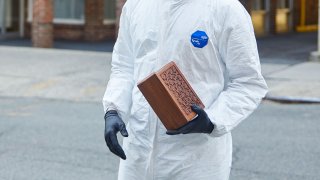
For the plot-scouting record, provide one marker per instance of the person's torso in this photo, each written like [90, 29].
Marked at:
[161, 32]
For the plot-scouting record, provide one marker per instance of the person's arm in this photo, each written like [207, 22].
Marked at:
[246, 86]
[117, 98]
[118, 93]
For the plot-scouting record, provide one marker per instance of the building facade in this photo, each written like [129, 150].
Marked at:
[91, 20]
[282, 16]
[94, 20]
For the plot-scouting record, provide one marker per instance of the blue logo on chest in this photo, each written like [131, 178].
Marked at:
[199, 39]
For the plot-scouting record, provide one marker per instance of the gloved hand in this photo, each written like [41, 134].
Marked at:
[200, 124]
[114, 124]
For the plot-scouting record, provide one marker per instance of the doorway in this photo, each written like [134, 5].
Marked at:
[11, 18]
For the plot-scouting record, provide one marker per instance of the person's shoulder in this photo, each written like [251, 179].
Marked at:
[229, 14]
[226, 6]
[131, 3]
[231, 10]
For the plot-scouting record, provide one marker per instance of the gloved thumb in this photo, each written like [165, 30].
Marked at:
[124, 131]
[197, 109]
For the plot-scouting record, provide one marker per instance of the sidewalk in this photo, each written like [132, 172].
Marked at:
[53, 74]
[83, 75]
[293, 83]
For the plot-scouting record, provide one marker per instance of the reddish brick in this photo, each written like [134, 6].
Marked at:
[93, 30]
[42, 27]
[94, 16]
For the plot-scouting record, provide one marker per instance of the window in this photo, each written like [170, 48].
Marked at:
[258, 5]
[65, 11]
[72, 11]
[282, 4]
[109, 11]
[69, 10]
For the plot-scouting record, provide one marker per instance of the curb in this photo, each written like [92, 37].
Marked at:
[292, 99]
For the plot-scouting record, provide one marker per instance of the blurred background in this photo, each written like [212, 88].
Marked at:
[55, 63]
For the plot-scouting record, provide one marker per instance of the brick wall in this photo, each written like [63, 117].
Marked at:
[42, 28]
[93, 30]
[69, 32]
[94, 15]
[75, 32]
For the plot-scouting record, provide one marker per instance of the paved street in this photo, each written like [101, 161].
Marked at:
[278, 142]
[52, 74]
[53, 140]
[51, 116]
[59, 140]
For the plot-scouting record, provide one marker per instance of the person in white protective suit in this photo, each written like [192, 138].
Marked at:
[213, 44]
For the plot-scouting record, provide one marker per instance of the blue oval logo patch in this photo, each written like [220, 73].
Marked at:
[199, 39]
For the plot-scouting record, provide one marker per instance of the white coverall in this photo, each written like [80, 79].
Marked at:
[225, 74]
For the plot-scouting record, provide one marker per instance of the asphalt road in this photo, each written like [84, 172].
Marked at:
[278, 142]
[43, 139]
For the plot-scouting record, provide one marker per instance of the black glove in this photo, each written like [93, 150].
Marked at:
[200, 124]
[114, 124]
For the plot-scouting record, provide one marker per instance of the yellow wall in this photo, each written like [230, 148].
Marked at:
[258, 20]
